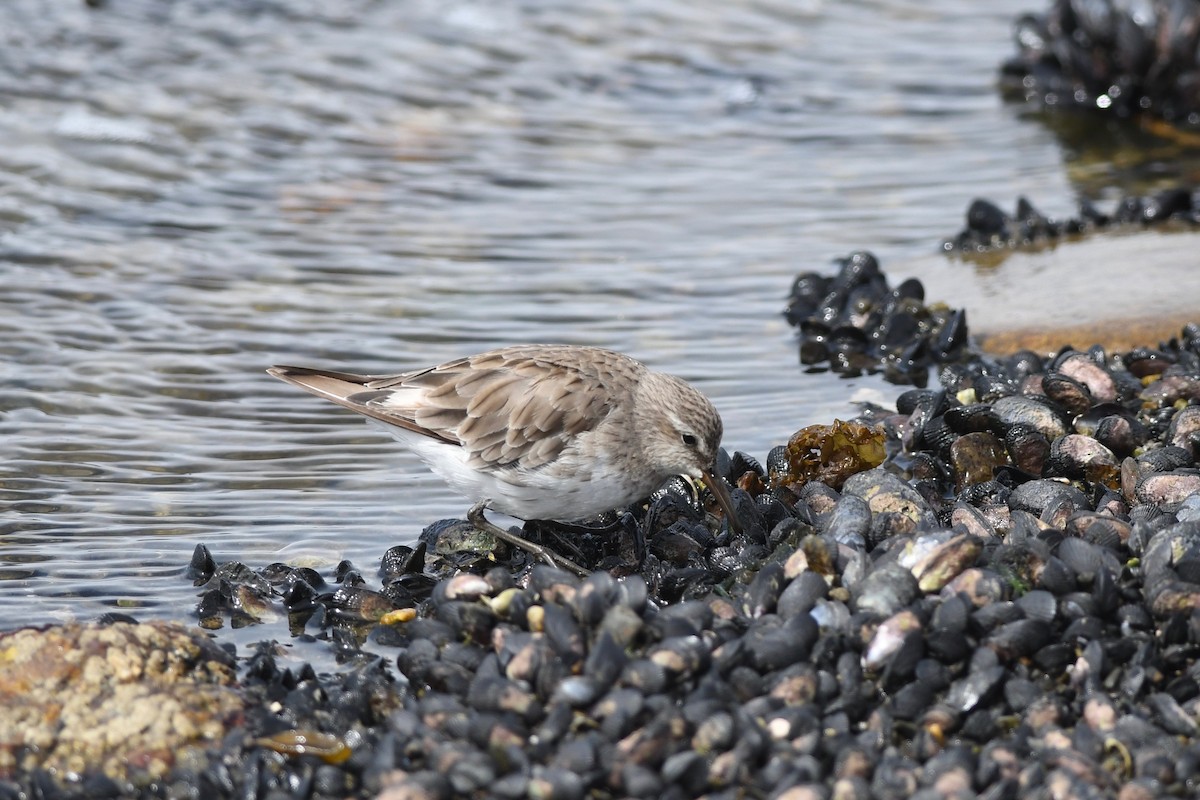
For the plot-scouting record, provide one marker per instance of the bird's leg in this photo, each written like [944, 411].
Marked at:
[475, 516]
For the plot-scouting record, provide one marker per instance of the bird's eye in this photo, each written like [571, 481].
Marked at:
[690, 440]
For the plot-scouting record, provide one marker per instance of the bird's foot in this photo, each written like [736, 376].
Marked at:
[476, 518]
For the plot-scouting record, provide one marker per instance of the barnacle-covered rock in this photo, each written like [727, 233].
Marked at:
[127, 701]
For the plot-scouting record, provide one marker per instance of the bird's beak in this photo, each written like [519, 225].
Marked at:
[717, 487]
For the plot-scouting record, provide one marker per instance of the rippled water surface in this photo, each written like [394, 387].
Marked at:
[191, 191]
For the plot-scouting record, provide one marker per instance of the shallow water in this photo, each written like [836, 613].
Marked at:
[191, 191]
[1094, 299]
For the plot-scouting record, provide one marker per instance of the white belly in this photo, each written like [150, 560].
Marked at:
[568, 492]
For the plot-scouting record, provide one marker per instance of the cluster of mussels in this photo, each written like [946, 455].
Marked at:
[992, 591]
[990, 228]
[1111, 56]
[856, 323]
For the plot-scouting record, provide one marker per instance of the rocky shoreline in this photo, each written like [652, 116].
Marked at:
[992, 590]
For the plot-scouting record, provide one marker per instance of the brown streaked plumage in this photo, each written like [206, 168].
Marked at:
[550, 432]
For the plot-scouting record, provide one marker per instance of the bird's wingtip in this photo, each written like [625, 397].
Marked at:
[286, 372]
[297, 376]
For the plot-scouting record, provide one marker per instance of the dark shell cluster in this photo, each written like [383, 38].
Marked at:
[989, 227]
[1008, 606]
[1112, 56]
[992, 590]
[854, 323]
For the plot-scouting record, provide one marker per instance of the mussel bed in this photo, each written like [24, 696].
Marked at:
[855, 322]
[1110, 57]
[989, 228]
[1007, 606]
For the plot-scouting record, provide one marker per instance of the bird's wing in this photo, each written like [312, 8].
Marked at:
[515, 404]
[348, 390]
